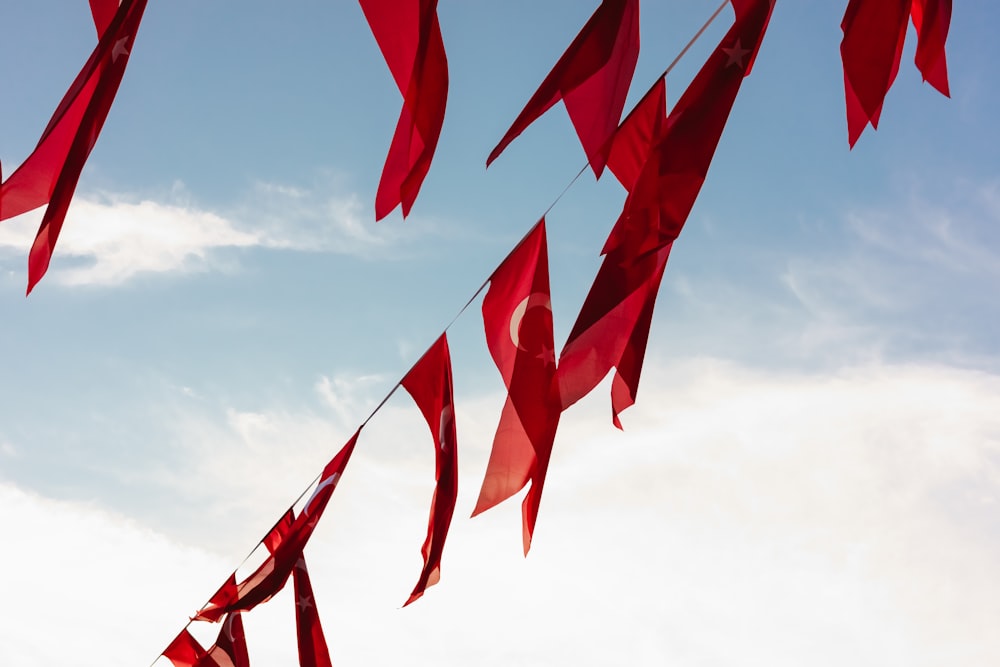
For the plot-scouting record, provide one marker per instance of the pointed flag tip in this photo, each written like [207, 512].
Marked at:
[493, 156]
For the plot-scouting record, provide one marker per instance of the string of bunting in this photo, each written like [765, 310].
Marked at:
[660, 159]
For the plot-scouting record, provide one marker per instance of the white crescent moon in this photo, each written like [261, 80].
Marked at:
[447, 415]
[533, 300]
[329, 481]
[228, 627]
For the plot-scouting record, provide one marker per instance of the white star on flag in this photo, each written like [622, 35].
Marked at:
[736, 54]
[119, 49]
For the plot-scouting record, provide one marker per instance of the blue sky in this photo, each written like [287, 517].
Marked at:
[811, 471]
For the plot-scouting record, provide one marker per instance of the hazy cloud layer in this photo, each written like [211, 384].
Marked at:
[743, 517]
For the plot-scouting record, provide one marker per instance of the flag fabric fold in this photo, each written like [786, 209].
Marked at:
[409, 35]
[631, 145]
[870, 51]
[592, 79]
[612, 327]
[50, 174]
[103, 12]
[229, 650]
[429, 382]
[286, 542]
[872, 46]
[932, 18]
[517, 316]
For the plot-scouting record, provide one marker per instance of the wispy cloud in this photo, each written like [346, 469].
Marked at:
[111, 239]
[906, 277]
[961, 237]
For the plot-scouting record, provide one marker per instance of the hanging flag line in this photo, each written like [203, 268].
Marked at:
[663, 182]
[460, 312]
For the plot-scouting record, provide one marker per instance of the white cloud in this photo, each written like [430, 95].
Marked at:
[341, 394]
[960, 237]
[82, 586]
[743, 517]
[113, 239]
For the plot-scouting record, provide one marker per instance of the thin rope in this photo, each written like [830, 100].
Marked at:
[695, 38]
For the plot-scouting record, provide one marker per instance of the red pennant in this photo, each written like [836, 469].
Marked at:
[612, 328]
[517, 314]
[932, 18]
[870, 51]
[874, 32]
[184, 650]
[429, 383]
[50, 174]
[409, 35]
[632, 143]
[313, 651]
[592, 79]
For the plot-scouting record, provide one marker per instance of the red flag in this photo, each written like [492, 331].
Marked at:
[285, 542]
[517, 314]
[874, 32]
[613, 325]
[591, 78]
[932, 19]
[409, 35]
[870, 51]
[429, 383]
[184, 650]
[50, 174]
[668, 184]
[313, 651]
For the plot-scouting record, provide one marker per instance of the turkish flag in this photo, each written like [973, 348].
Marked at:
[184, 650]
[313, 651]
[667, 185]
[591, 78]
[870, 50]
[874, 32]
[663, 163]
[517, 315]
[50, 174]
[409, 35]
[429, 383]
[285, 541]
[932, 18]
